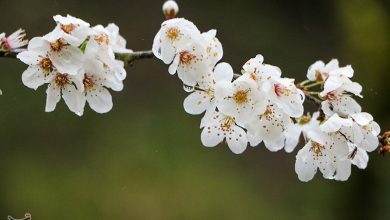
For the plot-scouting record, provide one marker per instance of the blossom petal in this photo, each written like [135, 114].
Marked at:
[360, 159]
[29, 57]
[33, 77]
[74, 99]
[304, 164]
[343, 170]
[211, 135]
[237, 140]
[53, 97]
[197, 102]
[334, 123]
[68, 60]
[100, 100]
[223, 72]
[362, 118]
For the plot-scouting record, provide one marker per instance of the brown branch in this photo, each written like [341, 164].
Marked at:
[128, 58]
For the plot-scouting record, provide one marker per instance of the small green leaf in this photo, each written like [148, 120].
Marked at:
[83, 45]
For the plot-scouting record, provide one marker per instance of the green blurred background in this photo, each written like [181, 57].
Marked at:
[144, 159]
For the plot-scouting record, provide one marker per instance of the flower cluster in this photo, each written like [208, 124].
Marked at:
[340, 134]
[78, 64]
[259, 105]
[252, 107]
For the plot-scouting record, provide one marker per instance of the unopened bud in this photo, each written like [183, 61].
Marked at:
[385, 143]
[170, 9]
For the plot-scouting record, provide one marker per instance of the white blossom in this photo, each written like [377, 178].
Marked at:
[173, 36]
[72, 30]
[14, 41]
[202, 98]
[337, 95]
[221, 127]
[70, 88]
[117, 42]
[319, 71]
[240, 98]
[270, 128]
[78, 62]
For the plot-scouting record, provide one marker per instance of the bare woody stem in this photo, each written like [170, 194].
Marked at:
[127, 58]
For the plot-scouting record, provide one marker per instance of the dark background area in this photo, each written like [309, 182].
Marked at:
[144, 159]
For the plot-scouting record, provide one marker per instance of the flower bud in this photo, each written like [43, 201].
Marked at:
[170, 9]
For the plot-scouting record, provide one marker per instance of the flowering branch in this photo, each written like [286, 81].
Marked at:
[81, 63]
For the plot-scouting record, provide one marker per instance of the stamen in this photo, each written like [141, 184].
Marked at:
[241, 96]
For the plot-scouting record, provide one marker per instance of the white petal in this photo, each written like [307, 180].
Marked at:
[211, 135]
[343, 170]
[100, 100]
[156, 48]
[38, 44]
[53, 97]
[354, 88]
[223, 89]
[223, 72]
[207, 116]
[33, 77]
[173, 67]
[360, 159]
[74, 99]
[332, 65]
[292, 135]
[346, 71]
[167, 52]
[237, 140]
[197, 102]
[253, 63]
[304, 164]
[362, 118]
[334, 123]
[311, 72]
[29, 57]
[68, 60]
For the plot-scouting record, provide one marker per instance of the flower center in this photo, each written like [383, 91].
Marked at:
[241, 96]
[5, 45]
[67, 28]
[88, 82]
[102, 39]
[61, 80]
[281, 90]
[228, 121]
[253, 76]
[331, 96]
[46, 64]
[173, 33]
[268, 114]
[57, 45]
[186, 57]
[316, 148]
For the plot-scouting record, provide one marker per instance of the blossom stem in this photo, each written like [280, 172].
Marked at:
[311, 85]
[303, 83]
